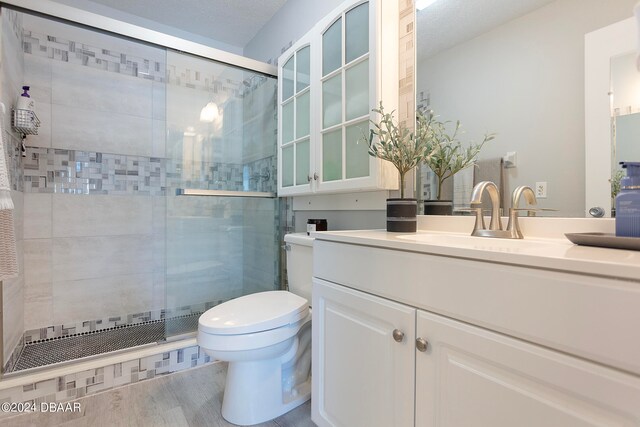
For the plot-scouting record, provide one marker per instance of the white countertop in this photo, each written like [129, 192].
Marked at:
[546, 253]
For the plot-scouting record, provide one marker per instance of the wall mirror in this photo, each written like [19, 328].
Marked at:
[518, 69]
[612, 106]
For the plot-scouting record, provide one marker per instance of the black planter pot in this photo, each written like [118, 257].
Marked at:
[438, 207]
[401, 215]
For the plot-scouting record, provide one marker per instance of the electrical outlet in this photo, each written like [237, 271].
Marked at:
[541, 190]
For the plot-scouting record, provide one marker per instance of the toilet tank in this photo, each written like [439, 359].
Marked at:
[299, 249]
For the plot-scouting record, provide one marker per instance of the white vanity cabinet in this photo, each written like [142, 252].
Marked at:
[391, 353]
[364, 355]
[328, 82]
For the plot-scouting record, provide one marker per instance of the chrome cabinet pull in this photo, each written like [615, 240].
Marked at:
[422, 344]
[398, 335]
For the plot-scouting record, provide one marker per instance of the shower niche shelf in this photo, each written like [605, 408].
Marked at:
[25, 122]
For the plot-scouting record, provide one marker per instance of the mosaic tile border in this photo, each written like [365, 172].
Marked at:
[69, 329]
[84, 383]
[52, 170]
[75, 52]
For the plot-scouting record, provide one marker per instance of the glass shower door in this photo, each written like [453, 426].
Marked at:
[222, 235]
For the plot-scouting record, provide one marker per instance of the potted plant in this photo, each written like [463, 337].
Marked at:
[405, 150]
[615, 180]
[448, 157]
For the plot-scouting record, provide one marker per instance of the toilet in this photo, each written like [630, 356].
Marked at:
[266, 338]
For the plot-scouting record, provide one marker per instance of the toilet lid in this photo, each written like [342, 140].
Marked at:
[257, 312]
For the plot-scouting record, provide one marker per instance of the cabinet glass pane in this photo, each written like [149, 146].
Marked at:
[287, 122]
[332, 155]
[302, 162]
[302, 115]
[357, 88]
[302, 68]
[287, 166]
[332, 48]
[287, 79]
[357, 150]
[332, 101]
[357, 32]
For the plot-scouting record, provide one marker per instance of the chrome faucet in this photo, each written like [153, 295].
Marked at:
[495, 226]
[513, 227]
[476, 204]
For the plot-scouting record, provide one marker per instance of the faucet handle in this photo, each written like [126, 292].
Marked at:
[479, 224]
[494, 195]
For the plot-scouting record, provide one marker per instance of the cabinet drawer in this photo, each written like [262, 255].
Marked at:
[592, 317]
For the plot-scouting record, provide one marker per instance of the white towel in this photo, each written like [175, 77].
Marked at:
[462, 188]
[492, 170]
[5, 186]
[8, 252]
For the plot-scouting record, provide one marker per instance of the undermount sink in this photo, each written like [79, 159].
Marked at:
[483, 243]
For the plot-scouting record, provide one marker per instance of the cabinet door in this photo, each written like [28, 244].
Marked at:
[295, 136]
[348, 63]
[348, 90]
[469, 376]
[363, 376]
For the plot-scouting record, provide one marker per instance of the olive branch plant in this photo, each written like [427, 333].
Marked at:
[430, 144]
[399, 145]
[448, 156]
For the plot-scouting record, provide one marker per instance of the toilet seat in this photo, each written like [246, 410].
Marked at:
[250, 314]
[250, 342]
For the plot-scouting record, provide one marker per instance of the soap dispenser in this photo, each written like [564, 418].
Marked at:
[25, 102]
[628, 202]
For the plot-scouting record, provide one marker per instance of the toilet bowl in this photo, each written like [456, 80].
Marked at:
[266, 338]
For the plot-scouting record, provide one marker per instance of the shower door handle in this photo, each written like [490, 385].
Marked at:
[223, 193]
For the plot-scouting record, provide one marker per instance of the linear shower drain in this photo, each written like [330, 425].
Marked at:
[78, 346]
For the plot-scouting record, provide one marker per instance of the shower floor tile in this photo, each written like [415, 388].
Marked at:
[90, 344]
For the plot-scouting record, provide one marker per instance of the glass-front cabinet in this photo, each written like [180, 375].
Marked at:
[328, 83]
[294, 120]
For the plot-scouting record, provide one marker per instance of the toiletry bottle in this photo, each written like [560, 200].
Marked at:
[628, 202]
[25, 102]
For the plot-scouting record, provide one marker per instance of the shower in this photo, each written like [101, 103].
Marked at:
[136, 215]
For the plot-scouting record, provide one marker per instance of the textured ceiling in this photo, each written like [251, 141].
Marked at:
[234, 22]
[447, 23]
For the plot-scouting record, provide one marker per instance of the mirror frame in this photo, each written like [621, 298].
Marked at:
[600, 46]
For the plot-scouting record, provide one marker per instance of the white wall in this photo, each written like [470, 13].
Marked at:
[525, 81]
[146, 23]
[291, 22]
[625, 84]
[11, 79]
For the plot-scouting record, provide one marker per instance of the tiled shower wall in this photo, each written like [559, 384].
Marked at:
[101, 101]
[100, 178]
[11, 75]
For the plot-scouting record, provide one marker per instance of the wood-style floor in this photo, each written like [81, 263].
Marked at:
[192, 398]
